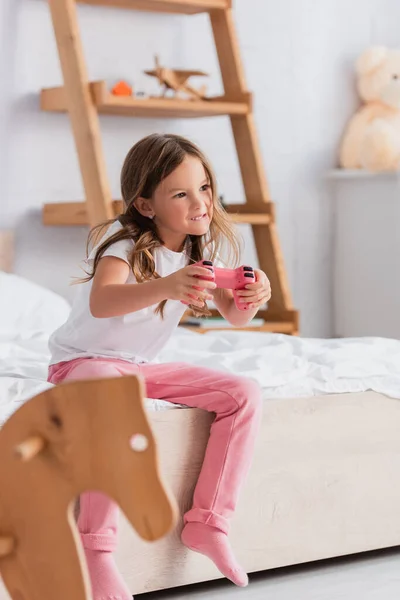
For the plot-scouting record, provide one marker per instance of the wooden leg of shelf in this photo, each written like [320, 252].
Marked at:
[265, 236]
[232, 72]
[227, 46]
[82, 110]
[271, 262]
[252, 169]
[250, 161]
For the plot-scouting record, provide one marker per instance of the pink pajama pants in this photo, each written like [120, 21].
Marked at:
[236, 402]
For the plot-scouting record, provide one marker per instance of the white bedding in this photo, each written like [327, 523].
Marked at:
[24, 359]
[284, 366]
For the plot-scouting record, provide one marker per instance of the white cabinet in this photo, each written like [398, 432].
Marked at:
[366, 254]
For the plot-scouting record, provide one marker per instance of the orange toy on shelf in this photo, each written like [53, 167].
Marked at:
[122, 89]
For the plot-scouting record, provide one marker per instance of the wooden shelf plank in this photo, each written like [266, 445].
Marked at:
[75, 213]
[65, 214]
[250, 218]
[285, 322]
[54, 100]
[260, 207]
[262, 215]
[269, 326]
[189, 7]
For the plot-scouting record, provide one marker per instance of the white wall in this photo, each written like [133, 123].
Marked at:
[298, 57]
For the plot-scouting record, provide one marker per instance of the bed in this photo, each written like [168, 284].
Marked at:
[324, 480]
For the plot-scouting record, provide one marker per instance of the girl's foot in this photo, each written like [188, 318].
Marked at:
[106, 580]
[214, 544]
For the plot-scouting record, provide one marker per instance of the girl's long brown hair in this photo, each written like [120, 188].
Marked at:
[147, 164]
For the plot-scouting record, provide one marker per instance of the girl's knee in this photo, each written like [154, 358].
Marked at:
[248, 392]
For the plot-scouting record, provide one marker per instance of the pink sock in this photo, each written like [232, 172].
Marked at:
[107, 582]
[214, 544]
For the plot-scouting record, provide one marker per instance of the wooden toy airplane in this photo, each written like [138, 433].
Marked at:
[176, 79]
[75, 437]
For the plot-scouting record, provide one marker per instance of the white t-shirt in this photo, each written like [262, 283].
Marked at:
[135, 337]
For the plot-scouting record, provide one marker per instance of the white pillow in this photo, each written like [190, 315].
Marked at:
[25, 305]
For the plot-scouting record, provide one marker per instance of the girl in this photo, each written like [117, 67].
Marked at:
[124, 312]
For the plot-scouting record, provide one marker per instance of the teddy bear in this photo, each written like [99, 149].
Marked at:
[372, 137]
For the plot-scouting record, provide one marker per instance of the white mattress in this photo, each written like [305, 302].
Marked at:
[284, 366]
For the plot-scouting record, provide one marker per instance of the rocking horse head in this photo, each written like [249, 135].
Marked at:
[76, 437]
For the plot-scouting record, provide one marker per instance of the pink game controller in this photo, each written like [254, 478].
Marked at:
[230, 279]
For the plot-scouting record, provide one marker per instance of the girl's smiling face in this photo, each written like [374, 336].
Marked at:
[182, 204]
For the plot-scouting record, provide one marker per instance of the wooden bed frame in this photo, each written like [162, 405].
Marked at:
[324, 483]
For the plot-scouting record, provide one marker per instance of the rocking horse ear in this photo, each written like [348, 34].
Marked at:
[371, 59]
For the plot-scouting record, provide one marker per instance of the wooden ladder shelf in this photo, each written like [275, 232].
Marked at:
[84, 100]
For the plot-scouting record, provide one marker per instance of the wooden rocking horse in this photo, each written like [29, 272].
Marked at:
[76, 437]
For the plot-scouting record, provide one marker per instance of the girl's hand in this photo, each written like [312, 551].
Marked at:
[186, 286]
[258, 293]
